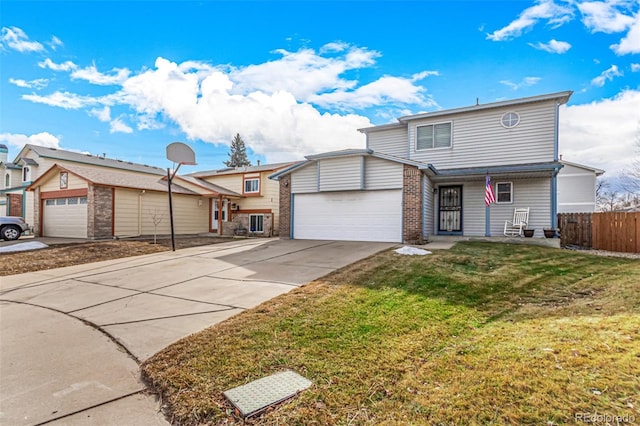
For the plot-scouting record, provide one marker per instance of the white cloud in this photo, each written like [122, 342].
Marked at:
[303, 73]
[32, 84]
[55, 43]
[18, 141]
[384, 90]
[273, 105]
[274, 124]
[553, 46]
[64, 100]
[608, 74]
[526, 82]
[65, 66]
[16, 39]
[631, 42]
[604, 16]
[93, 76]
[601, 134]
[635, 67]
[119, 126]
[544, 10]
[103, 114]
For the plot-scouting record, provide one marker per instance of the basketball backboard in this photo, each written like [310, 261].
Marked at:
[181, 153]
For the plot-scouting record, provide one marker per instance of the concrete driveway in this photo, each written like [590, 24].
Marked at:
[72, 339]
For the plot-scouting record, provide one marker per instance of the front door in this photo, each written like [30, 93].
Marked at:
[216, 213]
[450, 210]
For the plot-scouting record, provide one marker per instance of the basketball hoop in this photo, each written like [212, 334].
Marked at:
[179, 153]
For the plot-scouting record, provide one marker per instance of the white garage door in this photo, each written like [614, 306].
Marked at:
[65, 217]
[349, 216]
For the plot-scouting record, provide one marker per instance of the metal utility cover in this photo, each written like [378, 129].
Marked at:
[254, 397]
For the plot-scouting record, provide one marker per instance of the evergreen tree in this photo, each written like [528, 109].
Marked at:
[237, 153]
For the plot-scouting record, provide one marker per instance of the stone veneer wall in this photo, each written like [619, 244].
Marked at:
[412, 205]
[36, 213]
[285, 207]
[99, 212]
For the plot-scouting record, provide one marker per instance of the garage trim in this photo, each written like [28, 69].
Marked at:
[81, 192]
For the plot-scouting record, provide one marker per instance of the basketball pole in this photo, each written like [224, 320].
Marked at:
[179, 153]
[173, 236]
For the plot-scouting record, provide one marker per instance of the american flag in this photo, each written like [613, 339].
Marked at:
[489, 196]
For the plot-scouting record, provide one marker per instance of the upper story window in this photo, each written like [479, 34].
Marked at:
[252, 185]
[510, 120]
[64, 180]
[7, 180]
[26, 174]
[433, 136]
[504, 192]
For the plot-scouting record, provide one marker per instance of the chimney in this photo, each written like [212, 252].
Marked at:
[258, 162]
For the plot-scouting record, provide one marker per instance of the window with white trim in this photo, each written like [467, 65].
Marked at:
[504, 192]
[433, 136]
[50, 202]
[252, 186]
[7, 180]
[26, 174]
[256, 223]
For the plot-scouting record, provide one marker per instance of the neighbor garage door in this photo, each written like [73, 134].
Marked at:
[349, 215]
[65, 217]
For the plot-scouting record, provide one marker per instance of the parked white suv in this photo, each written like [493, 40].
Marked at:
[11, 227]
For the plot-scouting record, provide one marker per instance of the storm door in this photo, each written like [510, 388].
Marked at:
[450, 210]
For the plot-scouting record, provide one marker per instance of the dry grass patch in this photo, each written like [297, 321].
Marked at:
[483, 333]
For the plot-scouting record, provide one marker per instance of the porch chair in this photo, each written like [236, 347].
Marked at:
[520, 219]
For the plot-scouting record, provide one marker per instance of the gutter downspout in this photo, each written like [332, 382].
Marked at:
[140, 212]
[554, 177]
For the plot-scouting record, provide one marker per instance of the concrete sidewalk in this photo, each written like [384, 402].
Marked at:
[73, 338]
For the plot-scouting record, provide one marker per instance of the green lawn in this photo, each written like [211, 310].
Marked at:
[483, 333]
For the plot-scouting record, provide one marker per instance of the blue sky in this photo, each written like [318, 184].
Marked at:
[295, 78]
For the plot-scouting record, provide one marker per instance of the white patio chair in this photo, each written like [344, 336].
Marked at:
[514, 227]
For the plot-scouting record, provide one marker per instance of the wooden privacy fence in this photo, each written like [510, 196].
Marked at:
[616, 231]
[612, 231]
[575, 229]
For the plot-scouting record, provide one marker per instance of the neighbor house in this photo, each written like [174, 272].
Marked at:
[11, 186]
[426, 175]
[75, 195]
[33, 161]
[577, 188]
[256, 209]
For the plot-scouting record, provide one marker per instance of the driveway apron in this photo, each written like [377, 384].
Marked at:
[72, 339]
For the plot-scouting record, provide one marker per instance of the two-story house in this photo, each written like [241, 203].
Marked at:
[426, 175]
[12, 187]
[257, 211]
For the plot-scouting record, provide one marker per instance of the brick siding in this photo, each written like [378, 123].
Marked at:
[285, 207]
[412, 205]
[15, 204]
[99, 212]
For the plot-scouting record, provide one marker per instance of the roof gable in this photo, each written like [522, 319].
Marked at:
[112, 178]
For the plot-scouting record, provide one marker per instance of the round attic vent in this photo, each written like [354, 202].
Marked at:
[510, 119]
